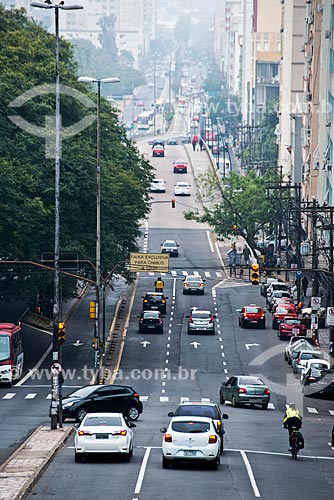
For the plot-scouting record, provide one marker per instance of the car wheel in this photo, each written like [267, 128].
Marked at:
[221, 398]
[128, 456]
[274, 325]
[214, 465]
[221, 444]
[242, 324]
[264, 406]
[234, 402]
[80, 414]
[263, 326]
[78, 457]
[165, 463]
[174, 171]
[285, 357]
[132, 413]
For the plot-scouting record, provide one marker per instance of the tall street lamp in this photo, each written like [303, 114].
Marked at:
[56, 392]
[87, 79]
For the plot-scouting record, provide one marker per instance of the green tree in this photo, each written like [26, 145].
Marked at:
[244, 204]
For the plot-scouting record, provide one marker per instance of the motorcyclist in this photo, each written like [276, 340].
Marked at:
[159, 284]
[292, 420]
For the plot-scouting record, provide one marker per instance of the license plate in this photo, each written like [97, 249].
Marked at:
[102, 436]
[154, 307]
[150, 326]
[295, 331]
[255, 400]
[253, 321]
[189, 453]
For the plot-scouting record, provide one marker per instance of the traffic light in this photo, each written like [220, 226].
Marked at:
[234, 228]
[255, 274]
[173, 203]
[61, 333]
[96, 344]
[92, 309]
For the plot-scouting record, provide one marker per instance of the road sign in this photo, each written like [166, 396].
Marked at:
[56, 368]
[294, 266]
[158, 262]
[330, 316]
[315, 303]
[68, 261]
[299, 274]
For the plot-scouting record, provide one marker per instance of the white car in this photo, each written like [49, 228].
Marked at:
[319, 364]
[182, 189]
[297, 344]
[190, 439]
[158, 186]
[104, 433]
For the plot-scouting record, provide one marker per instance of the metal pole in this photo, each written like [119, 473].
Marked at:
[55, 344]
[331, 288]
[154, 94]
[98, 221]
[170, 84]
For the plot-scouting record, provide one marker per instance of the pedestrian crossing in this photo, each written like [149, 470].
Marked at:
[146, 399]
[182, 273]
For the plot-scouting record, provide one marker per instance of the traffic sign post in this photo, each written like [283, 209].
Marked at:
[330, 316]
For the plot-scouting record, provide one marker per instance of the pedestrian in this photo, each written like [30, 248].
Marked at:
[246, 254]
[194, 142]
[201, 144]
[304, 285]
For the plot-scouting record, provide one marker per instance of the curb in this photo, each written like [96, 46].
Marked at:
[22, 469]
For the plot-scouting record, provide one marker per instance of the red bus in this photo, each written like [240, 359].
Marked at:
[11, 353]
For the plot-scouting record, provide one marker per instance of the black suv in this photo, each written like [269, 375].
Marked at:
[151, 321]
[102, 398]
[201, 409]
[155, 301]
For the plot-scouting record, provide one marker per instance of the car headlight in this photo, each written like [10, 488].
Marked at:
[67, 405]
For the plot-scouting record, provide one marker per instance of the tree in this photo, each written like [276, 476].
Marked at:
[243, 204]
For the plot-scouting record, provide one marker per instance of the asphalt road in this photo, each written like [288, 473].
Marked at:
[255, 462]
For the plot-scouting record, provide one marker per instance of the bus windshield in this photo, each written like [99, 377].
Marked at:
[4, 347]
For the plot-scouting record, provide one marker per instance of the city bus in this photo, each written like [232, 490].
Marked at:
[145, 120]
[11, 353]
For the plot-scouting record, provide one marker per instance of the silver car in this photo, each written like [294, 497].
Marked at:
[201, 321]
[243, 389]
[193, 284]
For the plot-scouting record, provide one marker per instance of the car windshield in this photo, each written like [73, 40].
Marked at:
[253, 309]
[83, 392]
[197, 411]
[191, 427]
[201, 315]
[250, 381]
[99, 421]
[4, 347]
[169, 244]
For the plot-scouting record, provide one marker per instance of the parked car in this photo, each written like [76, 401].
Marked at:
[291, 327]
[151, 322]
[155, 301]
[319, 364]
[242, 389]
[170, 247]
[182, 189]
[104, 433]
[252, 315]
[193, 284]
[203, 409]
[158, 186]
[265, 284]
[193, 439]
[296, 343]
[158, 150]
[102, 398]
[318, 383]
[299, 361]
[277, 286]
[283, 311]
[201, 321]
[180, 167]
[277, 294]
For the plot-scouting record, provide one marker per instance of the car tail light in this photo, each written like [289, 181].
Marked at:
[211, 320]
[213, 439]
[135, 395]
[120, 433]
[267, 392]
[201, 284]
[298, 361]
[312, 379]
[84, 433]
[219, 425]
[168, 438]
[163, 301]
[186, 283]
[190, 319]
[145, 301]
[243, 390]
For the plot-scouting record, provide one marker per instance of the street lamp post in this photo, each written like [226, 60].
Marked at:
[86, 79]
[56, 385]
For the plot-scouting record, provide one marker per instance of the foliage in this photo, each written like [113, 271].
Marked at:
[27, 60]
[244, 203]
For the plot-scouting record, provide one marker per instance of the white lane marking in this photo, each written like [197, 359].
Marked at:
[162, 274]
[331, 412]
[210, 242]
[271, 406]
[168, 345]
[163, 383]
[168, 338]
[223, 355]
[184, 399]
[224, 363]
[49, 396]
[167, 353]
[143, 398]
[37, 365]
[151, 274]
[31, 395]
[142, 471]
[163, 391]
[184, 273]
[312, 410]
[219, 274]
[225, 370]
[166, 361]
[9, 395]
[174, 273]
[206, 400]
[250, 474]
[164, 399]
[174, 288]
[207, 274]
[260, 452]
[219, 255]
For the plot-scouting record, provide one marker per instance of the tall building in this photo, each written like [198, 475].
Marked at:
[246, 70]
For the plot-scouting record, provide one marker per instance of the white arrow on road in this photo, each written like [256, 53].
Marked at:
[195, 344]
[145, 343]
[250, 345]
[77, 343]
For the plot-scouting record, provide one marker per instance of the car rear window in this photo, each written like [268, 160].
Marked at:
[98, 421]
[253, 310]
[151, 315]
[191, 427]
[284, 310]
[197, 411]
[306, 355]
[155, 298]
[250, 381]
[201, 315]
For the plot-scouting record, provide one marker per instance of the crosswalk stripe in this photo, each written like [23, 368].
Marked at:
[143, 398]
[207, 274]
[331, 412]
[205, 400]
[312, 410]
[9, 395]
[219, 274]
[49, 396]
[184, 273]
[271, 406]
[31, 395]
[173, 273]
[184, 399]
[196, 273]
[164, 399]
[151, 274]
